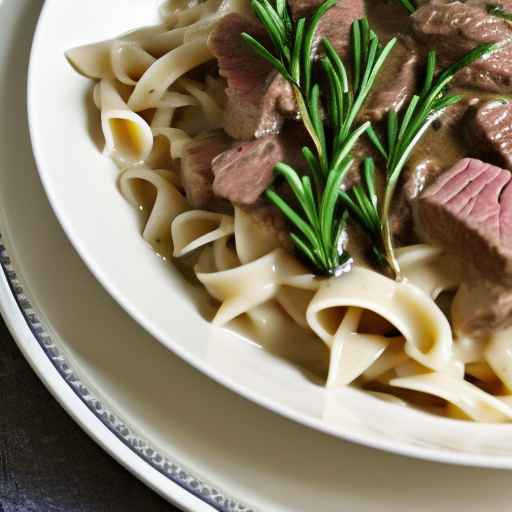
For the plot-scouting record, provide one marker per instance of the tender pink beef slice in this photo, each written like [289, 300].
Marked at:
[396, 83]
[258, 97]
[245, 171]
[455, 28]
[336, 25]
[468, 210]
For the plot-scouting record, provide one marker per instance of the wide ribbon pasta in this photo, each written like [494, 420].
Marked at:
[128, 137]
[197, 228]
[409, 310]
[247, 286]
[167, 205]
[472, 401]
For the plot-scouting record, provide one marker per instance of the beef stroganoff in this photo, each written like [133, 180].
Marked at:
[336, 176]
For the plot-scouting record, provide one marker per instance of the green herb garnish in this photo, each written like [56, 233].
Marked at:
[403, 132]
[332, 127]
[330, 117]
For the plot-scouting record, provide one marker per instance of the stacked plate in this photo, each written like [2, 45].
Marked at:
[148, 389]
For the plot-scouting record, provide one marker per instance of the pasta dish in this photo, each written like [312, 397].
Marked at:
[336, 176]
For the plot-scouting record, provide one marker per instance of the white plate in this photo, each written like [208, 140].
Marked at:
[81, 185]
[244, 451]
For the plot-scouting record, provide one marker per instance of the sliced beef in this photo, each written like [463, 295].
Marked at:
[196, 167]
[468, 212]
[258, 98]
[336, 25]
[245, 171]
[396, 83]
[491, 131]
[455, 28]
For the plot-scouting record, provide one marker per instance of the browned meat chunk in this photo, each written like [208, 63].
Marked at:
[396, 83]
[196, 167]
[245, 171]
[258, 98]
[468, 211]
[455, 28]
[336, 25]
[491, 131]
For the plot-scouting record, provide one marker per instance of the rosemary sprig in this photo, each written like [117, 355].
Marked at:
[333, 129]
[403, 132]
[499, 11]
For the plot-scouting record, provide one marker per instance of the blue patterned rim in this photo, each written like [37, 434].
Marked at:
[167, 467]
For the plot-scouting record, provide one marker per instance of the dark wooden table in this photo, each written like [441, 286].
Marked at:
[47, 463]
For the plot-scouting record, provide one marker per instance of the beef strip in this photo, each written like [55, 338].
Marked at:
[468, 212]
[455, 28]
[258, 97]
[336, 25]
[490, 131]
[245, 171]
[196, 167]
[396, 82]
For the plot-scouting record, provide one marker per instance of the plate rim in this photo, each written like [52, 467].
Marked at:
[107, 428]
[389, 445]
